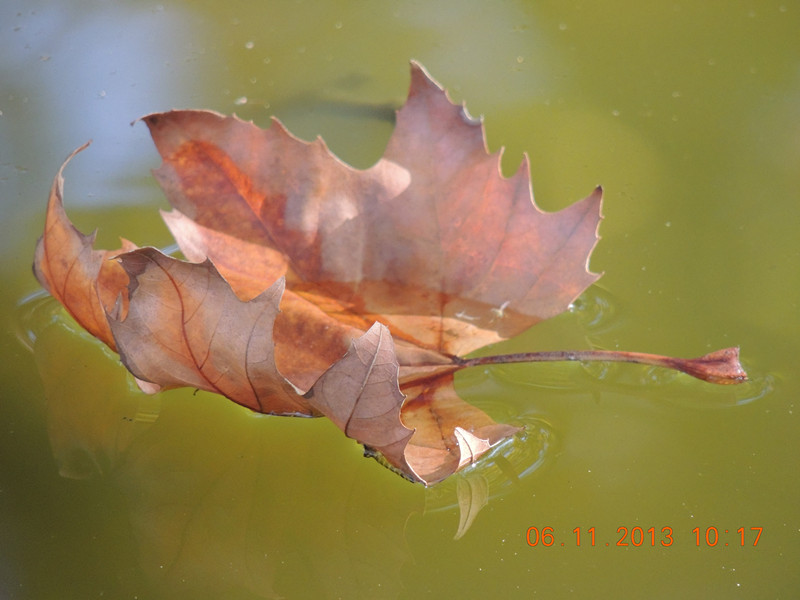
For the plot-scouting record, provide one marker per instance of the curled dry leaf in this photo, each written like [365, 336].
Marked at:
[317, 288]
[84, 280]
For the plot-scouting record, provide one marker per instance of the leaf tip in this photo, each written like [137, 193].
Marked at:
[149, 120]
[470, 446]
[721, 367]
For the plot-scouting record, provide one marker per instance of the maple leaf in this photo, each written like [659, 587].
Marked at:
[298, 257]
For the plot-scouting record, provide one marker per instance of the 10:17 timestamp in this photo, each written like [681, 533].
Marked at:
[640, 536]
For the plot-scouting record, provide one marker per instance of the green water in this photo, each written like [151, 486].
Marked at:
[687, 113]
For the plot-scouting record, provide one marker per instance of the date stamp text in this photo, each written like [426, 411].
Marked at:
[665, 537]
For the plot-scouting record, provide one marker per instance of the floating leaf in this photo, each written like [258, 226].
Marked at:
[320, 289]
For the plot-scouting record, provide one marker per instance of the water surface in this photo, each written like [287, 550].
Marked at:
[686, 113]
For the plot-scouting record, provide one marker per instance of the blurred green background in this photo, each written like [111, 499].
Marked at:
[687, 113]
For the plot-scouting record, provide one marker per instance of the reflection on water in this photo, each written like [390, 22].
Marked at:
[497, 473]
[219, 498]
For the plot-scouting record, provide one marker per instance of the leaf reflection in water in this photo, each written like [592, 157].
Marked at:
[224, 501]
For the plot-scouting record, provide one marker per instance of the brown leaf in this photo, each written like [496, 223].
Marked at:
[432, 241]
[392, 273]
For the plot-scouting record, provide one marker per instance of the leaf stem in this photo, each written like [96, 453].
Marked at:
[721, 366]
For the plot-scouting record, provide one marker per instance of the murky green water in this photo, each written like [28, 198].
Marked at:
[687, 113]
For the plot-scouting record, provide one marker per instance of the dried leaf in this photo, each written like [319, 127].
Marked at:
[84, 280]
[317, 288]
